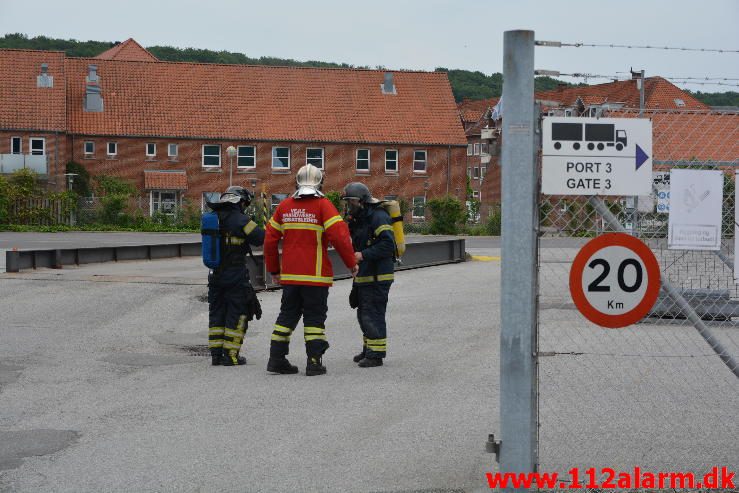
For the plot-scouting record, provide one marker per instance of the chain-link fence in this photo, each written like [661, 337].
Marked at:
[655, 394]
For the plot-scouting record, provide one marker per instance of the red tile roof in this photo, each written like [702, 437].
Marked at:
[702, 136]
[471, 110]
[128, 50]
[23, 105]
[165, 180]
[659, 93]
[265, 103]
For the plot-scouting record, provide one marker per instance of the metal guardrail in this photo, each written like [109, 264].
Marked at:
[417, 254]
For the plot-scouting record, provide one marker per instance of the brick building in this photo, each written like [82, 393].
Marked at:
[677, 109]
[167, 126]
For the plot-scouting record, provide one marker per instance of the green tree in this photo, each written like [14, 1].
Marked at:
[447, 215]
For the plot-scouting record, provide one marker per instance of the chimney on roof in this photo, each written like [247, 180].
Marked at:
[93, 98]
[388, 87]
[44, 80]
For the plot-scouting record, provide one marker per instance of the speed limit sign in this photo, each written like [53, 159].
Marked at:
[614, 280]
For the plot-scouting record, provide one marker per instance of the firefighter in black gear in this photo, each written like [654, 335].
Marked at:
[231, 298]
[374, 245]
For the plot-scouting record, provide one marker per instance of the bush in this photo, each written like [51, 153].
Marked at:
[447, 214]
[335, 198]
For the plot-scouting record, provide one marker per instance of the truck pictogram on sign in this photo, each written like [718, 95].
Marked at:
[596, 135]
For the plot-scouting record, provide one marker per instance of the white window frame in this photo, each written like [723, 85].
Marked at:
[31, 140]
[84, 148]
[274, 149]
[146, 147]
[475, 194]
[115, 149]
[253, 156]
[413, 207]
[424, 161]
[323, 157]
[397, 156]
[476, 173]
[20, 145]
[176, 150]
[469, 149]
[356, 161]
[476, 151]
[177, 201]
[203, 156]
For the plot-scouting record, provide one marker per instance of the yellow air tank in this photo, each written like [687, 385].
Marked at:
[393, 208]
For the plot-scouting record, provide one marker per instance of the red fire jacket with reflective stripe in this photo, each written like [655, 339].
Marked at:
[306, 226]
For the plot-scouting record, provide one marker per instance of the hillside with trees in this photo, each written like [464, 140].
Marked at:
[466, 84]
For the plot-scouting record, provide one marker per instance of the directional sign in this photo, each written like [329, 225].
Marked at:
[596, 156]
[614, 280]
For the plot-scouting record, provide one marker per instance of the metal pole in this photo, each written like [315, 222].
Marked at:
[673, 293]
[641, 96]
[230, 169]
[518, 399]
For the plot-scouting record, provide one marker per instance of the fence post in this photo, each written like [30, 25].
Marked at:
[518, 391]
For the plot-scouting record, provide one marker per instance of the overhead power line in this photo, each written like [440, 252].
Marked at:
[560, 44]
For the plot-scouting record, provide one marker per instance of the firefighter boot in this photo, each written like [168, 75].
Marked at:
[231, 358]
[314, 366]
[281, 366]
[216, 355]
[370, 362]
[359, 357]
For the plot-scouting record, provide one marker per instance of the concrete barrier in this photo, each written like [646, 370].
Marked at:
[423, 253]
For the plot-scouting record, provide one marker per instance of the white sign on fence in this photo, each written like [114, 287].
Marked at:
[695, 209]
[596, 156]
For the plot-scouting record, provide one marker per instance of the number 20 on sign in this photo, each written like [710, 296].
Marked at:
[614, 280]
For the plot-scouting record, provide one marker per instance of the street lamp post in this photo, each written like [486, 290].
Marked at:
[231, 151]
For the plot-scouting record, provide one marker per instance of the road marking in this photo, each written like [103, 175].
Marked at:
[485, 258]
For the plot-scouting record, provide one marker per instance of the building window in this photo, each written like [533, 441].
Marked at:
[211, 156]
[38, 146]
[172, 151]
[276, 199]
[363, 159]
[89, 148]
[475, 172]
[246, 157]
[391, 161]
[419, 207]
[281, 157]
[163, 202]
[151, 150]
[314, 156]
[484, 149]
[112, 148]
[475, 194]
[15, 145]
[469, 172]
[476, 150]
[209, 197]
[469, 149]
[419, 161]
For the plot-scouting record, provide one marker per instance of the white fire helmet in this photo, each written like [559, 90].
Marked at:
[309, 180]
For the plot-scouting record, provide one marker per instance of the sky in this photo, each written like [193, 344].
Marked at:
[414, 34]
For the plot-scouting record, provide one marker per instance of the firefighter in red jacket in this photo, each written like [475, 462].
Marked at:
[306, 223]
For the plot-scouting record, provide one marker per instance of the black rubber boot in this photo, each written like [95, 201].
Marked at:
[359, 357]
[314, 366]
[370, 362]
[216, 355]
[281, 366]
[232, 358]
